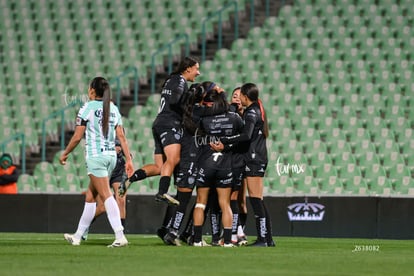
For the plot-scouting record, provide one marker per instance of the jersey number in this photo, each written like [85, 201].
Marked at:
[162, 105]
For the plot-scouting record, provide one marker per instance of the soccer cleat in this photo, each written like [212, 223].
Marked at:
[229, 245]
[271, 243]
[190, 240]
[201, 244]
[258, 243]
[216, 243]
[198, 244]
[166, 198]
[171, 239]
[123, 186]
[71, 239]
[241, 240]
[184, 237]
[161, 232]
[119, 242]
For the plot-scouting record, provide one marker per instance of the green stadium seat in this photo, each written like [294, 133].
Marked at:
[26, 184]
[400, 178]
[361, 146]
[367, 159]
[70, 183]
[304, 183]
[316, 159]
[352, 180]
[373, 171]
[341, 159]
[307, 134]
[44, 167]
[62, 170]
[280, 185]
[46, 182]
[378, 130]
[405, 140]
[82, 174]
[379, 186]
[386, 148]
[330, 184]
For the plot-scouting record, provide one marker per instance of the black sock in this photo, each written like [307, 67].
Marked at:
[198, 233]
[169, 213]
[227, 235]
[188, 230]
[164, 184]
[242, 220]
[260, 216]
[215, 226]
[235, 209]
[269, 236]
[138, 175]
[123, 222]
[183, 198]
[215, 213]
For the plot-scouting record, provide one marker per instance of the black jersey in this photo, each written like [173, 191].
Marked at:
[189, 145]
[170, 109]
[214, 128]
[253, 134]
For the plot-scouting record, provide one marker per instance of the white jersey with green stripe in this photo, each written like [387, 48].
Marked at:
[90, 115]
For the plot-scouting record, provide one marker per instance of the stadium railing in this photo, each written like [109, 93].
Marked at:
[169, 46]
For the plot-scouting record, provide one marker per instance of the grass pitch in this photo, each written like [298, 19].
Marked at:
[50, 254]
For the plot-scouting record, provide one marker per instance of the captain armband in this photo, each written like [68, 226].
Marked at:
[80, 122]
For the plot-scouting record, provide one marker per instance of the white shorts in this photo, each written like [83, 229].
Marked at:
[101, 166]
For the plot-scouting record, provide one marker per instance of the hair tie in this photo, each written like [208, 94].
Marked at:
[211, 86]
[261, 109]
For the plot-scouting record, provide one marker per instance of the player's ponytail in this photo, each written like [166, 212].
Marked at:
[264, 119]
[102, 90]
[251, 91]
[106, 108]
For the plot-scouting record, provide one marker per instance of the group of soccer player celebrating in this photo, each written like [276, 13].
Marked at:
[204, 142]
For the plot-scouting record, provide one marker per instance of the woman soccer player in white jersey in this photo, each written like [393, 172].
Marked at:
[99, 121]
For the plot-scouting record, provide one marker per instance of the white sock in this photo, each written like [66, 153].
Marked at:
[85, 221]
[114, 217]
[240, 231]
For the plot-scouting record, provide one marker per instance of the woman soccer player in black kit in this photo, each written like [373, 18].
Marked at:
[167, 130]
[186, 171]
[255, 131]
[215, 168]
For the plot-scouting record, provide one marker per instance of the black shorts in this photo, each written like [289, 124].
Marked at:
[164, 136]
[238, 175]
[214, 178]
[255, 169]
[184, 178]
[115, 179]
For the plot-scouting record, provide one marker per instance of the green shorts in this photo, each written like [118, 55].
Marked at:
[101, 166]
